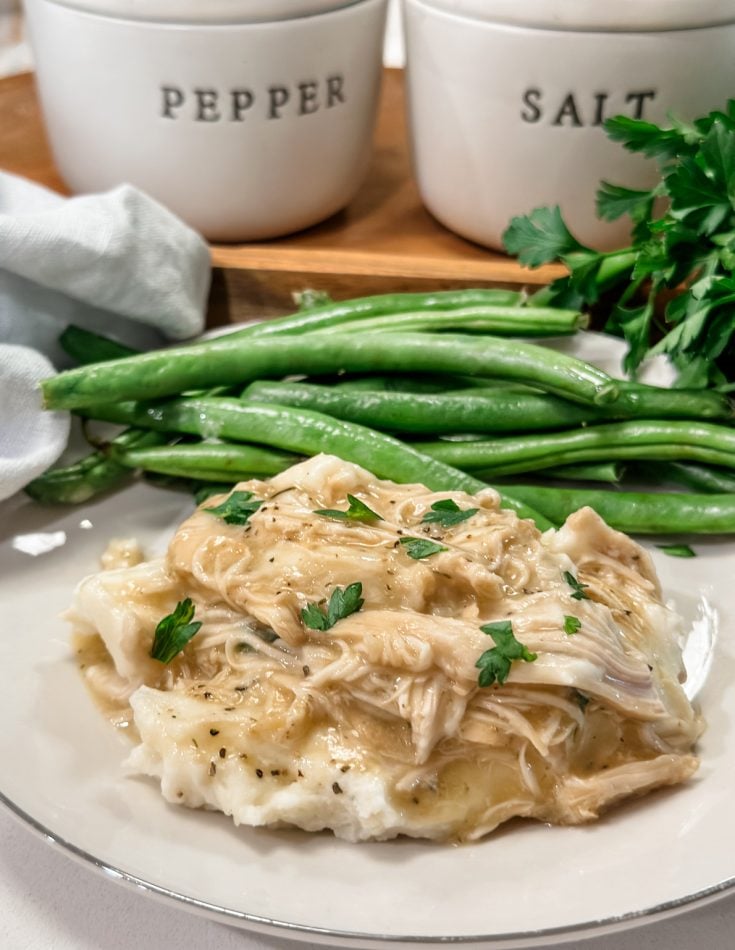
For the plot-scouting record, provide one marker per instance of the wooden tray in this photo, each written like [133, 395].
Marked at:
[384, 241]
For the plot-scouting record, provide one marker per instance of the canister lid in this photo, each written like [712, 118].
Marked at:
[594, 15]
[206, 11]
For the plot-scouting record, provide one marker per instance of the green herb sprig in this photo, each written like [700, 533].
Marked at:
[357, 511]
[342, 603]
[174, 632]
[689, 245]
[447, 513]
[577, 588]
[494, 664]
[237, 508]
[419, 548]
[572, 625]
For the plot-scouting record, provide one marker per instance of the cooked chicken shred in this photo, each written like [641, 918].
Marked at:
[377, 726]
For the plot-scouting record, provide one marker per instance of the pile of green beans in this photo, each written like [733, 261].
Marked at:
[373, 375]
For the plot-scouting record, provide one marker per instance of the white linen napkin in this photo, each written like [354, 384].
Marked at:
[117, 263]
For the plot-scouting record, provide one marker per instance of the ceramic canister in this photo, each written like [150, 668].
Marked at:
[248, 118]
[507, 100]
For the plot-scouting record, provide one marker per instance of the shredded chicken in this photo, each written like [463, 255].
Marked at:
[377, 726]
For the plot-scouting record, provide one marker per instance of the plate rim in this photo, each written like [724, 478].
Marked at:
[352, 938]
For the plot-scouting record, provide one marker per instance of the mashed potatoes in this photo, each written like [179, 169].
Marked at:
[377, 726]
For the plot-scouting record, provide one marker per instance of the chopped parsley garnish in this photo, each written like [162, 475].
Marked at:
[571, 624]
[357, 511]
[174, 632]
[577, 588]
[676, 550]
[237, 508]
[447, 513]
[419, 548]
[343, 602]
[494, 664]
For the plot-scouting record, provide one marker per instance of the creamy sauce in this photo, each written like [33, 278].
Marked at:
[378, 726]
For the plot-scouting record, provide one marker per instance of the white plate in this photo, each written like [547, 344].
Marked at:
[526, 885]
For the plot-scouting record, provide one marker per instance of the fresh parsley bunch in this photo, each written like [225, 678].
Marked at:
[690, 246]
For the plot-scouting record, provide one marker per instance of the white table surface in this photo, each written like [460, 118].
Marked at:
[50, 902]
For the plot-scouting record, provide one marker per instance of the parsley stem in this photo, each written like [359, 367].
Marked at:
[615, 265]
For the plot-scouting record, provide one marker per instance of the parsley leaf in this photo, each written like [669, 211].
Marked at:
[494, 664]
[579, 589]
[237, 508]
[342, 603]
[639, 136]
[357, 511]
[314, 618]
[174, 632]
[540, 237]
[419, 548]
[677, 550]
[447, 513]
[635, 323]
[571, 624]
[613, 201]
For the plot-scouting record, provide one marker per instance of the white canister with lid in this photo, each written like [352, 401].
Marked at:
[507, 100]
[249, 118]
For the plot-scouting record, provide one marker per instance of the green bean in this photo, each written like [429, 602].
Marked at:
[654, 402]
[634, 400]
[639, 439]
[94, 474]
[698, 478]
[227, 361]
[474, 410]
[304, 432]
[637, 512]
[415, 383]
[397, 382]
[362, 308]
[497, 319]
[481, 410]
[86, 347]
[207, 461]
[592, 472]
